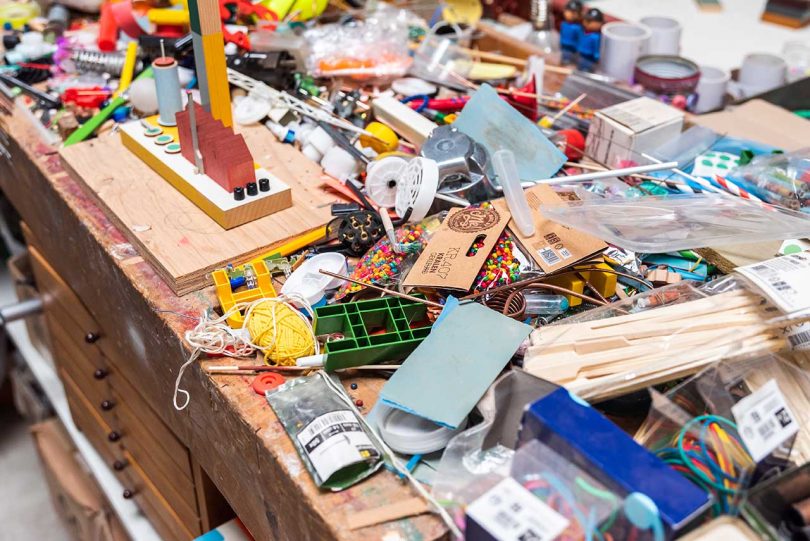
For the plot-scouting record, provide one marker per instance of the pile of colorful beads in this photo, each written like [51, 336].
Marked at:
[501, 267]
[381, 264]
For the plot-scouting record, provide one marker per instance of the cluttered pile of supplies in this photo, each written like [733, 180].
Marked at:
[518, 243]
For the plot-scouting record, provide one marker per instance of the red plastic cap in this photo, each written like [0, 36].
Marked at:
[267, 381]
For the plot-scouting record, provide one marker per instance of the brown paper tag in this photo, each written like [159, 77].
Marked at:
[553, 246]
[448, 260]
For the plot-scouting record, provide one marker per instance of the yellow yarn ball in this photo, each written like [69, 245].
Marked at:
[289, 338]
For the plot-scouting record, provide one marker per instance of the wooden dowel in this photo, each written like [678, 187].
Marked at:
[382, 289]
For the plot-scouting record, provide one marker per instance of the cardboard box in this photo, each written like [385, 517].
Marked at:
[626, 130]
[76, 495]
[29, 399]
[19, 267]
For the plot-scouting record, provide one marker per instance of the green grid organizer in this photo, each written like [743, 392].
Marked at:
[404, 324]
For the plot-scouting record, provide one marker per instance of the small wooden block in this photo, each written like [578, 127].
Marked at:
[201, 190]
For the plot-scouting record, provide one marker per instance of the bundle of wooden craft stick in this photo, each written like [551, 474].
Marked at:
[607, 357]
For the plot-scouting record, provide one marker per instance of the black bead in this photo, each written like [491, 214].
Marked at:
[239, 193]
[252, 189]
[264, 184]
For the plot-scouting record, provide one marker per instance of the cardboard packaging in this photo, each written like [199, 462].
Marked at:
[76, 496]
[626, 130]
[553, 246]
[459, 248]
[29, 399]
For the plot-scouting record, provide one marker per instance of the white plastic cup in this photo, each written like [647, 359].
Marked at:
[622, 44]
[711, 88]
[761, 72]
[666, 35]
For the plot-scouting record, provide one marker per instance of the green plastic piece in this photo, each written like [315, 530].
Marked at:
[374, 331]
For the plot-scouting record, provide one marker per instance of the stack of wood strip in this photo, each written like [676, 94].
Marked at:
[603, 358]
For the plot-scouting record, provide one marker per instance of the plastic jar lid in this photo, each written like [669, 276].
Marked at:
[413, 435]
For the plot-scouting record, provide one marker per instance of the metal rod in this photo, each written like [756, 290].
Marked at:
[608, 174]
[20, 310]
[384, 290]
[235, 369]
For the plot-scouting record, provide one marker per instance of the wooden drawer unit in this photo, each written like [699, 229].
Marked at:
[91, 376]
[152, 464]
[162, 514]
[104, 438]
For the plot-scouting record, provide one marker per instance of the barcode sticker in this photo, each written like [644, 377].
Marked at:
[565, 254]
[509, 512]
[764, 420]
[799, 337]
[333, 441]
[783, 280]
[548, 256]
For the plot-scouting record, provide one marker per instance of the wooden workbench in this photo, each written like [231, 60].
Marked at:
[229, 430]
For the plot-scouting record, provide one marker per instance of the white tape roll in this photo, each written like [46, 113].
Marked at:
[381, 180]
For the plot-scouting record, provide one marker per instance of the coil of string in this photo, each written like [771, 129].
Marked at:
[272, 325]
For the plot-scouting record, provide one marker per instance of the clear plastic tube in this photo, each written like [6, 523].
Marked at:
[505, 167]
[539, 304]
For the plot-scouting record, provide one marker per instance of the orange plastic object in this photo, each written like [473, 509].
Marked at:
[229, 298]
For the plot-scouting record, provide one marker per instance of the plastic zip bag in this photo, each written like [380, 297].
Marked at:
[331, 441]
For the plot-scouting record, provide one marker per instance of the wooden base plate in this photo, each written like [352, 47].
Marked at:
[201, 189]
[181, 241]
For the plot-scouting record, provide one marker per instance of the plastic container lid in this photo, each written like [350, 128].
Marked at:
[311, 284]
[413, 435]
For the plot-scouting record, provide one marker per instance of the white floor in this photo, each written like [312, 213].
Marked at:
[26, 511]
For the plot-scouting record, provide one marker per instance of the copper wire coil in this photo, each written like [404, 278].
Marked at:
[516, 308]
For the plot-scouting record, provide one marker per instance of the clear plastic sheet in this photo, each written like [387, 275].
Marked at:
[679, 222]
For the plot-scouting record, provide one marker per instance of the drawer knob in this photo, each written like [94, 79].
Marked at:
[107, 405]
[113, 436]
[91, 337]
[128, 494]
[119, 465]
[100, 373]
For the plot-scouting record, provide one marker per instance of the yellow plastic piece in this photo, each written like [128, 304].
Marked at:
[229, 298]
[467, 12]
[572, 282]
[487, 71]
[167, 16]
[603, 282]
[129, 68]
[306, 9]
[384, 140]
[293, 245]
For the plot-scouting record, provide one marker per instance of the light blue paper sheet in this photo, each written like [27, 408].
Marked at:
[496, 125]
[450, 371]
